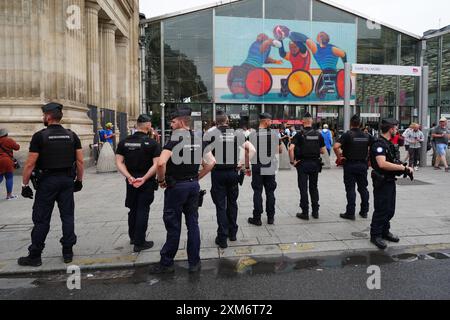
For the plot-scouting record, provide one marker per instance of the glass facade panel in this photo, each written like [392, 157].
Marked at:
[288, 9]
[188, 58]
[324, 12]
[408, 85]
[246, 9]
[153, 62]
[445, 75]
[377, 94]
[431, 60]
[376, 44]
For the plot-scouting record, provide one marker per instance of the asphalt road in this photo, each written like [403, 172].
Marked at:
[407, 276]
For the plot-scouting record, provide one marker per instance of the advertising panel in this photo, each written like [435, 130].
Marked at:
[282, 61]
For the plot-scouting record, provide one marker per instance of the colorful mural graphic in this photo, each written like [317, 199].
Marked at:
[279, 61]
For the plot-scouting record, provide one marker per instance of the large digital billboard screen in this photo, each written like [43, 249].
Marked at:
[281, 61]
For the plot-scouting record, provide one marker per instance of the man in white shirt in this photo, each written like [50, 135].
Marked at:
[414, 137]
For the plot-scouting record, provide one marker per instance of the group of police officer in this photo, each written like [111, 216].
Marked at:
[55, 164]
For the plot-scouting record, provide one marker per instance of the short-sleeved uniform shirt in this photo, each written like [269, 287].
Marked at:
[138, 151]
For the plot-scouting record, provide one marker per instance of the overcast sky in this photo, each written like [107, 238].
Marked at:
[415, 16]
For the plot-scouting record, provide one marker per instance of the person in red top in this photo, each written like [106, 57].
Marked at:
[7, 146]
[298, 56]
[396, 139]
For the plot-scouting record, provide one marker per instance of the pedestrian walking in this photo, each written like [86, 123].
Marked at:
[415, 138]
[137, 159]
[56, 161]
[407, 131]
[441, 135]
[327, 137]
[7, 162]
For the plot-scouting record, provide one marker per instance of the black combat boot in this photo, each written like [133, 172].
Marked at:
[145, 246]
[378, 241]
[303, 216]
[67, 254]
[363, 215]
[391, 238]
[348, 216]
[222, 243]
[32, 260]
[256, 222]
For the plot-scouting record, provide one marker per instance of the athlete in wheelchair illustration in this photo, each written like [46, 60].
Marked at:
[251, 78]
[300, 83]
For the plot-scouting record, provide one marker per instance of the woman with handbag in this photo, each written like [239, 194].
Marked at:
[7, 162]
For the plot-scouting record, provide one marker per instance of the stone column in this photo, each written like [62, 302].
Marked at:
[123, 83]
[108, 87]
[92, 49]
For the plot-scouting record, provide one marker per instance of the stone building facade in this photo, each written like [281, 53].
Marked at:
[83, 54]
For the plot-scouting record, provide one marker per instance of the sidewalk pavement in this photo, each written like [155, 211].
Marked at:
[422, 218]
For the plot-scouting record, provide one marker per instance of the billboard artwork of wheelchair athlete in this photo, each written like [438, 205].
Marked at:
[282, 61]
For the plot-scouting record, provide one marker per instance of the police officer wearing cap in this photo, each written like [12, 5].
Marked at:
[385, 168]
[54, 154]
[264, 167]
[352, 150]
[226, 144]
[178, 172]
[304, 153]
[137, 159]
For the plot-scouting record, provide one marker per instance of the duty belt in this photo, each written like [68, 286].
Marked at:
[226, 169]
[61, 171]
[191, 179]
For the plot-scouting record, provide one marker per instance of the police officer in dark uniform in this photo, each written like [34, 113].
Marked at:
[264, 167]
[55, 152]
[137, 159]
[385, 169]
[225, 146]
[178, 172]
[304, 154]
[352, 150]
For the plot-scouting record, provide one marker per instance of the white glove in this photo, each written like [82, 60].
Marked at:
[276, 44]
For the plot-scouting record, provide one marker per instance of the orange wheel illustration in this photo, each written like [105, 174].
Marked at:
[258, 82]
[340, 84]
[300, 83]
